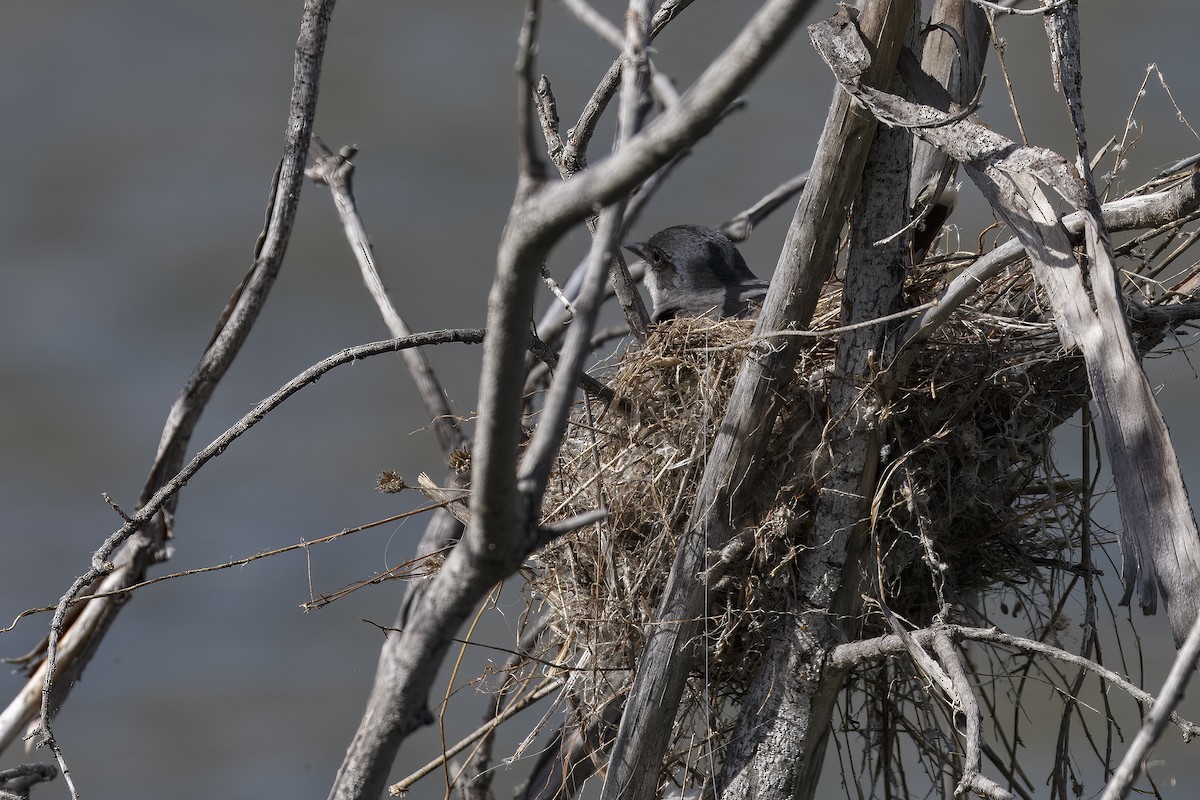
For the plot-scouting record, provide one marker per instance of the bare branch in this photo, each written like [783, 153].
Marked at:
[531, 168]
[853, 654]
[967, 720]
[1169, 697]
[337, 172]
[16, 782]
[739, 227]
[248, 300]
[543, 448]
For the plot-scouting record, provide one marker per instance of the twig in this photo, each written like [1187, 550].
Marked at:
[16, 782]
[967, 714]
[531, 168]
[545, 690]
[1156, 721]
[476, 777]
[1006, 7]
[236, 323]
[337, 172]
[738, 229]
[536, 466]
[1130, 213]
[853, 653]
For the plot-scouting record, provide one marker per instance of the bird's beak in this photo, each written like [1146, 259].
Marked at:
[639, 250]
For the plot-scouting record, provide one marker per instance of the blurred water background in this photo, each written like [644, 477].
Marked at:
[139, 143]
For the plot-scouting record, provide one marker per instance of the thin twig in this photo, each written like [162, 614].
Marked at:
[336, 171]
[855, 653]
[545, 690]
[1156, 721]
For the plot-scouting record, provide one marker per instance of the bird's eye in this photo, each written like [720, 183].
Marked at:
[656, 260]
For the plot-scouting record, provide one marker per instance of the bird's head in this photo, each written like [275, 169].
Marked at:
[688, 265]
[689, 262]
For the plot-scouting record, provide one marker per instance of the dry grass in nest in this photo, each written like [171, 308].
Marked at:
[968, 501]
[644, 464]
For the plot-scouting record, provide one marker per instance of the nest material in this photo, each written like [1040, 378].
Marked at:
[965, 465]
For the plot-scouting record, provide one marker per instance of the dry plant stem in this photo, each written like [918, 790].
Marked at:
[477, 774]
[89, 628]
[806, 262]
[1159, 541]
[1169, 697]
[337, 172]
[1131, 213]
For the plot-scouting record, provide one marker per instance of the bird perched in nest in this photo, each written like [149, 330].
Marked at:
[694, 271]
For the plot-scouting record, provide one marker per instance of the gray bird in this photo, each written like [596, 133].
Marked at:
[694, 271]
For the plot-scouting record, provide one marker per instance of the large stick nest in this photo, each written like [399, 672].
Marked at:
[964, 463]
[968, 501]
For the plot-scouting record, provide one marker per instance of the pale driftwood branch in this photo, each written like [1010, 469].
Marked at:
[1130, 213]
[89, 628]
[788, 718]
[547, 111]
[1159, 537]
[531, 169]
[804, 265]
[336, 171]
[956, 46]
[1006, 7]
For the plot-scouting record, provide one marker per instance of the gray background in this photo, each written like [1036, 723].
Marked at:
[139, 140]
